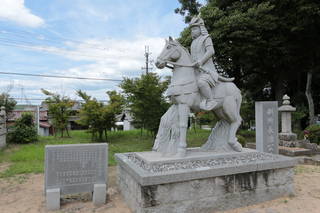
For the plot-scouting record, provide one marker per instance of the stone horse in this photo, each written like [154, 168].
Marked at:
[185, 97]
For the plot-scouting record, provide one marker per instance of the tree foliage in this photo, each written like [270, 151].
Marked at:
[145, 96]
[23, 131]
[60, 110]
[188, 9]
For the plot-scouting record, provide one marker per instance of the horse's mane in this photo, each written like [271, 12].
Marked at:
[178, 43]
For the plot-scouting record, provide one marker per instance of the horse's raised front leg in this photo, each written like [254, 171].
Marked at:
[184, 111]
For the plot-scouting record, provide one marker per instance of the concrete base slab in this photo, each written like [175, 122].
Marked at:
[294, 151]
[203, 181]
[289, 151]
[99, 194]
[53, 199]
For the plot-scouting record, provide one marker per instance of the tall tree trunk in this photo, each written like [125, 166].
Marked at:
[308, 93]
[67, 132]
[279, 88]
[106, 134]
[100, 135]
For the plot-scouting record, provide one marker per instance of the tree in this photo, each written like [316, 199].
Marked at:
[24, 130]
[114, 107]
[91, 115]
[145, 97]
[59, 109]
[99, 117]
[247, 110]
[7, 102]
[188, 8]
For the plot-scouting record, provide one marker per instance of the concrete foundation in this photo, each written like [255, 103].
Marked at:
[204, 182]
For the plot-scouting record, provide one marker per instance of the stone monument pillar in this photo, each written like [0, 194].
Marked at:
[286, 135]
[266, 113]
[3, 128]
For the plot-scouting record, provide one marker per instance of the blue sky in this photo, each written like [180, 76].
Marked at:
[86, 38]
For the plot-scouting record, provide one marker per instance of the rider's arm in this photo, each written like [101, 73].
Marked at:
[208, 45]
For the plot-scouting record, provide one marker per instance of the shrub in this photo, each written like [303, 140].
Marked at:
[241, 140]
[312, 133]
[23, 131]
[247, 133]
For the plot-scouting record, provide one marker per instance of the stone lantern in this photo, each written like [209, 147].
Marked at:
[286, 134]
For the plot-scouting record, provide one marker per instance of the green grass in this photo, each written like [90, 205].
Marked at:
[306, 169]
[29, 158]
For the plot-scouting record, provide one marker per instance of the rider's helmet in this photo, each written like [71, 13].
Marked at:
[197, 21]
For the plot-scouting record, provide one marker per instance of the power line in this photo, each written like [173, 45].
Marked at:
[57, 76]
[43, 38]
[68, 52]
[43, 99]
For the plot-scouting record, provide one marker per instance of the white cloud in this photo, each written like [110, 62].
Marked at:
[15, 10]
[110, 58]
[113, 58]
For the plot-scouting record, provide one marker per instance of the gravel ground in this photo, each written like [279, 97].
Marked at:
[24, 194]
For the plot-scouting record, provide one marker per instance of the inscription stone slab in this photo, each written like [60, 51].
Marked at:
[76, 168]
[266, 114]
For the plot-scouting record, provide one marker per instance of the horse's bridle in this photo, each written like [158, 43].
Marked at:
[179, 65]
[173, 63]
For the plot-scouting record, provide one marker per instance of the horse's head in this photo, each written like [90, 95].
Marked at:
[170, 53]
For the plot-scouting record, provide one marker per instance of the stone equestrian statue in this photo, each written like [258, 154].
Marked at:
[196, 85]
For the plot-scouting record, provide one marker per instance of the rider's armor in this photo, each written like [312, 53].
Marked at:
[207, 72]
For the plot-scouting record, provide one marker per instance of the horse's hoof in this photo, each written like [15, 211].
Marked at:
[236, 146]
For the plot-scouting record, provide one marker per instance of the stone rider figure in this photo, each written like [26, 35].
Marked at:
[201, 52]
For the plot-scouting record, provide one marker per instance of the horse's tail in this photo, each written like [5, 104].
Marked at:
[238, 99]
[224, 79]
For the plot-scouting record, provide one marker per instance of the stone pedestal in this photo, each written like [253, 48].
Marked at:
[53, 199]
[99, 194]
[202, 181]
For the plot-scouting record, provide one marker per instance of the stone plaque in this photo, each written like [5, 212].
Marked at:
[266, 113]
[75, 168]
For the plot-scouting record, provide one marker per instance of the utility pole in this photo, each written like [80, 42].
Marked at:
[147, 55]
